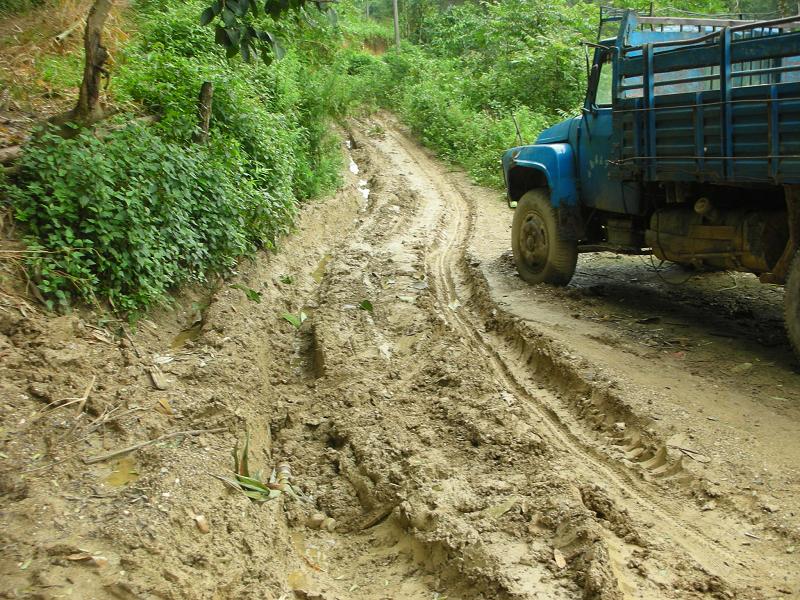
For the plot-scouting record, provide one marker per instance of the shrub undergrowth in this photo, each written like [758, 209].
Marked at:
[127, 217]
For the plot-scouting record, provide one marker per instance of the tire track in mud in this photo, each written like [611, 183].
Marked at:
[454, 226]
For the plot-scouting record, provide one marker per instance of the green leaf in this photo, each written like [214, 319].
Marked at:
[287, 279]
[244, 464]
[258, 496]
[266, 55]
[251, 294]
[207, 16]
[228, 17]
[253, 483]
[273, 8]
[221, 36]
[365, 305]
[297, 321]
[233, 35]
[238, 7]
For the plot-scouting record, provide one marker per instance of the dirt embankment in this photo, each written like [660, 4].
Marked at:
[466, 436]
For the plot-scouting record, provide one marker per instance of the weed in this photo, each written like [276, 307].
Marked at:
[295, 320]
[251, 294]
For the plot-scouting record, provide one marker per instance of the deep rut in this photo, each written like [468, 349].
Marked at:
[445, 212]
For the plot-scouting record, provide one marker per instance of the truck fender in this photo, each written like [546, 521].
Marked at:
[551, 166]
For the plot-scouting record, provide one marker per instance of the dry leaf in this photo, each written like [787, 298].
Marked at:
[79, 556]
[157, 377]
[97, 561]
[559, 558]
[164, 408]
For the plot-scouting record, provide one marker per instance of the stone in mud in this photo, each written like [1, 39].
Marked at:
[315, 521]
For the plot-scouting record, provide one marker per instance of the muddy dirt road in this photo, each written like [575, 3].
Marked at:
[469, 436]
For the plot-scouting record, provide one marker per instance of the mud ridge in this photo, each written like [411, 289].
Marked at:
[592, 401]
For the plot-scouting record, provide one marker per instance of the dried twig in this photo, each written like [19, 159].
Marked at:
[135, 447]
[133, 345]
[68, 401]
[67, 32]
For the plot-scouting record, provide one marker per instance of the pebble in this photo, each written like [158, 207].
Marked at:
[315, 521]
[202, 523]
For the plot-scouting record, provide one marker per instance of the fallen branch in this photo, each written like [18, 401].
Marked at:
[115, 453]
[68, 31]
[68, 401]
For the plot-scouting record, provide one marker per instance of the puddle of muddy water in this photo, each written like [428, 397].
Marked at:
[125, 471]
[319, 272]
[186, 335]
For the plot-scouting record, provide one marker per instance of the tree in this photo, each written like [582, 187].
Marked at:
[237, 26]
[237, 30]
[88, 109]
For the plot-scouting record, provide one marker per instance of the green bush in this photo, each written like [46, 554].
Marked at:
[145, 209]
[130, 216]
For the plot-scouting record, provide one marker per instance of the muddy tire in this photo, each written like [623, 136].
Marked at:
[541, 253]
[792, 304]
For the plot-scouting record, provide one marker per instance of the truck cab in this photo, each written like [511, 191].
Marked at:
[687, 147]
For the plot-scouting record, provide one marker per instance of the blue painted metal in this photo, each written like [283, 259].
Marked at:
[726, 114]
[716, 104]
[700, 111]
[555, 161]
[556, 133]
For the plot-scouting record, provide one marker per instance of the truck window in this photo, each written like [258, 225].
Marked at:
[602, 96]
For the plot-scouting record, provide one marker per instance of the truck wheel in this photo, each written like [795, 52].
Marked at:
[541, 253]
[792, 303]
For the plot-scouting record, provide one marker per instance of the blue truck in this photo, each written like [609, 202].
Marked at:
[687, 147]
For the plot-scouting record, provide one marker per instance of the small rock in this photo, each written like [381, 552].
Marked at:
[710, 505]
[619, 426]
[157, 378]
[170, 576]
[315, 521]
[561, 562]
[742, 367]
[329, 524]
[202, 523]
[38, 391]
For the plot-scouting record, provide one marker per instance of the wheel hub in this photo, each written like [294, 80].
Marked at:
[535, 245]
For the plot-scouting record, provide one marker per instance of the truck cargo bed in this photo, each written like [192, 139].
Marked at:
[722, 108]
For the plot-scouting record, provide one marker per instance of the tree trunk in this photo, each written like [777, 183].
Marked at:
[396, 19]
[88, 109]
[204, 112]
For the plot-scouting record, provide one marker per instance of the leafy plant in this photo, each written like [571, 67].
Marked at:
[295, 320]
[239, 28]
[251, 294]
[130, 216]
[251, 484]
[286, 279]
[365, 305]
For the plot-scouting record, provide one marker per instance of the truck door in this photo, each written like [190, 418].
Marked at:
[595, 144]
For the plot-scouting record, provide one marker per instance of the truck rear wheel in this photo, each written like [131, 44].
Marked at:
[541, 253]
[792, 303]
